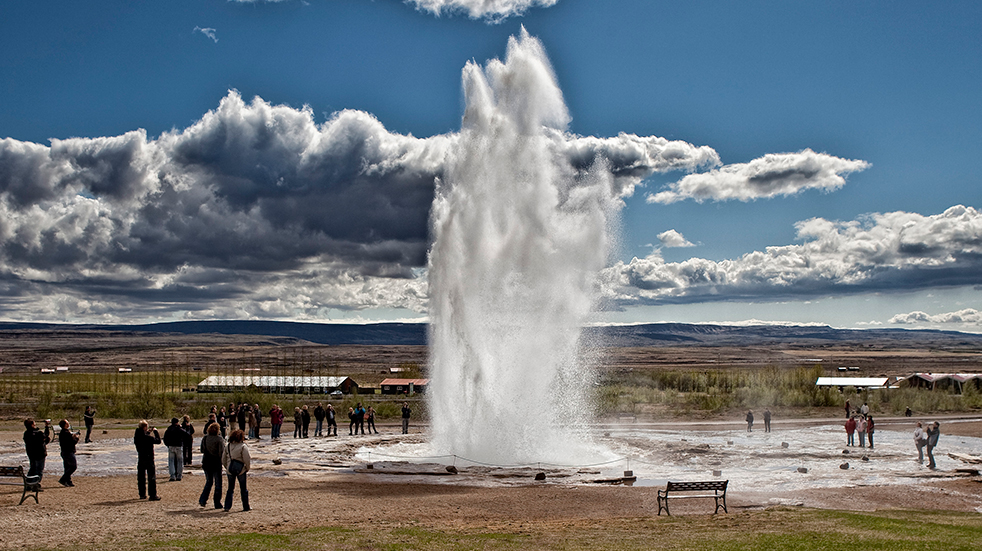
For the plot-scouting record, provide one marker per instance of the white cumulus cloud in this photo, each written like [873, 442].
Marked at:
[494, 10]
[967, 316]
[672, 238]
[768, 176]
[880, 253]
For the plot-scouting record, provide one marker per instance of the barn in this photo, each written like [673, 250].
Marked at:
[404, 386]
[954, 382]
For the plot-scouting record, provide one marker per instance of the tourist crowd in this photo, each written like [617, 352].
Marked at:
[223, 446]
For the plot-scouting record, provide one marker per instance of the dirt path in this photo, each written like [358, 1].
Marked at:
[106, 510]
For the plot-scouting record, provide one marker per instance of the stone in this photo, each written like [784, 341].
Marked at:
[844, 466]
[451, 469]
[540, 476]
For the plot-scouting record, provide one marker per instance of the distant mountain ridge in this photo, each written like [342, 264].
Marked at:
[652, 334]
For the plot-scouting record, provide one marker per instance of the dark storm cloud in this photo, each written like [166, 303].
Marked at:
[252, 201]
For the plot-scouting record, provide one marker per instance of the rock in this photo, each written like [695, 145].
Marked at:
[540, 476]
[369, 466]
[785, 444]
[729, 442]
[277, 461]
[802, 470]
[844, 466]
[845, 451]
[451, 469]
[865, 458]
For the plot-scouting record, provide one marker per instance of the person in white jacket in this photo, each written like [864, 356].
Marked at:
[236, 460]
[920, 440]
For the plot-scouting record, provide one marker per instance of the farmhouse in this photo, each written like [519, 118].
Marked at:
[404, 386]
[278, 384]
[944, 381]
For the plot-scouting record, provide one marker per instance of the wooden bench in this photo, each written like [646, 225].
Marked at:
[680, 490]
[32, 484]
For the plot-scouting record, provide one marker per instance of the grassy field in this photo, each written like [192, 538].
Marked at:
[779, 528]
[654, 393]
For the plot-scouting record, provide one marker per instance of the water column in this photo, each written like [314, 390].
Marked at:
[519, 235]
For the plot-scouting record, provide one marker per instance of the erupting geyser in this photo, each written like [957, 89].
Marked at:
[520, 235]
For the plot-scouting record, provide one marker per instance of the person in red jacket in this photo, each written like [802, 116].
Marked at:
[276, 418]
[850, 431]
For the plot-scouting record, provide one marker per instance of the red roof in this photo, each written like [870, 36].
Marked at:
[405, 382]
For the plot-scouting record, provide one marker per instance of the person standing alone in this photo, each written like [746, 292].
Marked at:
[174, 440]
[188, 429]
[36, 443]
[305, 420]
[319, 417]
[89, 418]
[67, 441]
[331, 420]
[259, 420]
[405, 417]
[236, 461]
[212, 447]
[145, 438]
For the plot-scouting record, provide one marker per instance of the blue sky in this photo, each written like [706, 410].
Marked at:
[887, 91]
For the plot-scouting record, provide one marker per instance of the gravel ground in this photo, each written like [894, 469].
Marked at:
[334, 488]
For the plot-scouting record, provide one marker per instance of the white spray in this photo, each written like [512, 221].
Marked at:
[519, 236]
